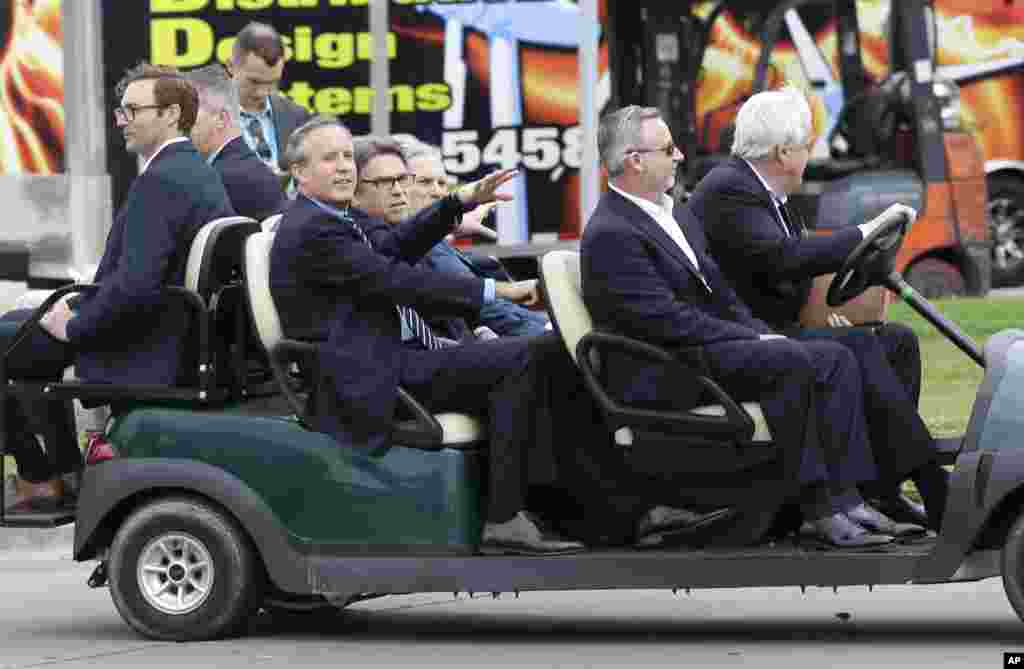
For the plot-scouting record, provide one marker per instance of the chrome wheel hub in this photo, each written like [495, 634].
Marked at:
[175, 573]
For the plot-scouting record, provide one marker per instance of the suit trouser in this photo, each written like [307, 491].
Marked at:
[900, 440]
[39, 357]
[810, 392]
[493, 377]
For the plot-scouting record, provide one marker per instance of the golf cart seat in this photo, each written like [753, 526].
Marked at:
[270, 223]
[423, 430]
[725, 421]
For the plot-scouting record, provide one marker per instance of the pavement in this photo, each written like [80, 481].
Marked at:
[50, 618]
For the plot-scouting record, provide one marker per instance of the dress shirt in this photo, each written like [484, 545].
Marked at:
[160, 148]
[662, 215]
[266, 118]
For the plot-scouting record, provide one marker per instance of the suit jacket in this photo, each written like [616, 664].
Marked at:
[254, 190]
[127, 332]
[287, 117]
[771, 268]
[638, 282]
[320, 264]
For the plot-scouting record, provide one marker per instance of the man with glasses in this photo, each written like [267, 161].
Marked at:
[254, 190]
[429, 184]
[765, 252]
[127, 331]
[268, 118]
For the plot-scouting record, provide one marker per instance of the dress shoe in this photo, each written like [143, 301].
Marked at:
[875, 521]
[838, 531]
[666, 525]
[522, 536]
[901, 509]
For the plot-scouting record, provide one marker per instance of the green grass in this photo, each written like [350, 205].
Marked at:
[950, 379]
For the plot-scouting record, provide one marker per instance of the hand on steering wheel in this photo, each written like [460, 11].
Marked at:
[871, 262]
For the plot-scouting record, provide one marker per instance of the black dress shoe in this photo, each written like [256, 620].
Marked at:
[838, 531]
[901, 508]
[669, 526]
[522, 536]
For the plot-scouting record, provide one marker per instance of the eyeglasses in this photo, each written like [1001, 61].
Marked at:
[126, 113]
[402, 180]
[669, 150]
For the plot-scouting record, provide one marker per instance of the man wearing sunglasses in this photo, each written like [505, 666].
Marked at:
[126, 331]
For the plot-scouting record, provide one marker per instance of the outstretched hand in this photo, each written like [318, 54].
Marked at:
[472, 222]
[484, 190]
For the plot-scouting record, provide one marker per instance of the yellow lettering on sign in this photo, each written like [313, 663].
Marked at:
[348, 3]
[333, 101]
[301, 92]
[334, 50]
[168, 6]
[364, 46]
[296, 4]
[254, 5]
[163, 39]
[433, 97]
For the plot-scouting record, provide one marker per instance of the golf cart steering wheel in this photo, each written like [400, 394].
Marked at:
[870, 263]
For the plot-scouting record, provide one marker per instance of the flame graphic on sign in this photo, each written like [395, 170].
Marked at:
[31, 87]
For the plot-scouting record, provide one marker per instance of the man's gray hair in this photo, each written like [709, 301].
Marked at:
[619, 133]
[217, 91]
[771, 119]
[417, 149]
[295, 150]
[368, 147]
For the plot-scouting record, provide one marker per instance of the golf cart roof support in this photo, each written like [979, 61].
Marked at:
[589, 170]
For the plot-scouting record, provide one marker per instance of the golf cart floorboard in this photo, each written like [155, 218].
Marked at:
[779, 564]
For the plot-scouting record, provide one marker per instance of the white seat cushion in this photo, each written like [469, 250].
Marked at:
[624, 435]
[460, 428]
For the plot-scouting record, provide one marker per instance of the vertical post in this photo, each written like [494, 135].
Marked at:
[85, 159]
[589, 173]
[380, 119]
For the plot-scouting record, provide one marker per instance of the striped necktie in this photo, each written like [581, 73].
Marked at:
[412, 319]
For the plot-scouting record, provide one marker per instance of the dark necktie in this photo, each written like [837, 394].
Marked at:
[409, 316]
[791, 228]
[255, 129]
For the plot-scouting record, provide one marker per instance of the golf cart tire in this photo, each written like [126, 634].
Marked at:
[935, 278]
[1006, 201]
[234, 581]
[1013, 566]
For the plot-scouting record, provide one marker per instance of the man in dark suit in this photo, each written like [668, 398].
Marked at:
[268, 118]
[764, 251]
[643, 279]
[363, 281]
[126, 331]
[254, 190]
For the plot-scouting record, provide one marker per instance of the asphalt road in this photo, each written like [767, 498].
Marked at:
[49, 617]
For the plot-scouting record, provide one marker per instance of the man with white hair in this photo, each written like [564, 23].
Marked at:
[764, 251]
[254, 190]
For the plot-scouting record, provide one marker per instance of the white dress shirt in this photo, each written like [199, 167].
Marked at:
[662, 215]
[160, 148]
